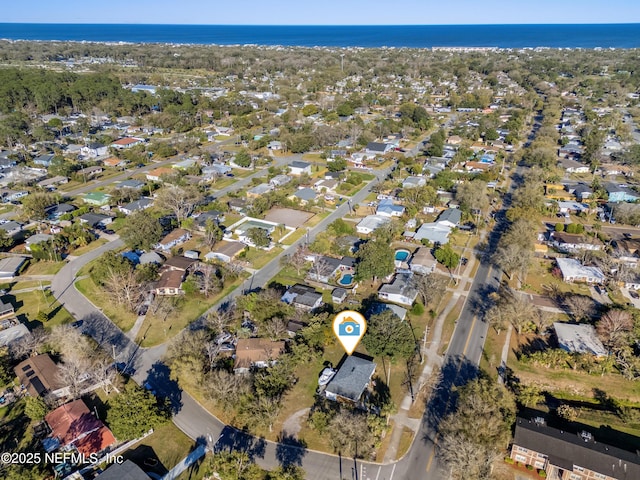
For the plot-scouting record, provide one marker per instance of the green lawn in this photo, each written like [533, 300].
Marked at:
[118, 314]
[167, 445]
[88, 248]
[259, 258]
[43, 268]
[28, 304]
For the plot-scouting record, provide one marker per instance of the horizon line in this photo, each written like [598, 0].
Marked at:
[325, 25]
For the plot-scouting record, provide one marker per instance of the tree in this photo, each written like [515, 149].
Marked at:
[374, 259]
[430, 287]
[447, 257]
[337, 165]
[185, 355]
[614, 328]
[580, 306]
[141, 231]
[479, 428]
[287, 472]
[259, 236]
[472, 195]
[226, 388]
[133, 413]
[242, 159]
[6, 240]
[349, 434]
[388, 336]
[515, 308]
[35, 204]
[36, 409]
[529, 395]
[179, 200]
[212, 233]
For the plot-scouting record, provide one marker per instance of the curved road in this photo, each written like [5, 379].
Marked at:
[461, 362]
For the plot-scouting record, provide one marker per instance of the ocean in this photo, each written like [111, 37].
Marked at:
[414, 36]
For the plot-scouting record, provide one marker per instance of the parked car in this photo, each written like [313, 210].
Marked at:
[77, 323]
[108, 231]
[143, 310]
[633, 294]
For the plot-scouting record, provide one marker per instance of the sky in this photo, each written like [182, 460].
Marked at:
[321, 12]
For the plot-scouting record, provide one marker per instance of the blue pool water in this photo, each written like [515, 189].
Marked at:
[402, 255]
[347, 279]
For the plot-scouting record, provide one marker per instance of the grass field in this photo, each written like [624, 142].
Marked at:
[43, 268]
[450, 325]
[118, 314]
[28, 304]
[156, 329]
[92, 246]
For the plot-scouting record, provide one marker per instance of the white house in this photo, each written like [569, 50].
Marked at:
[93, 150]
[298, 168]
[387, 208]
[401, 290]
[369, 223]
[573, 271]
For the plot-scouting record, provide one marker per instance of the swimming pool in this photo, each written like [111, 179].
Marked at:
[346, 280]
[402, 255]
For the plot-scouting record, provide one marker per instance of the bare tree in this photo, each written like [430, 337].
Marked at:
[298, 260]
[515, 308]
[614, 328]
[29, 344]
[276, 328]
[225, 387]
[74, 374]
[580, 306]
[220, 318]
[210, 282]
[430, 287]
[103, 373]
[179, 200]
[123, 287]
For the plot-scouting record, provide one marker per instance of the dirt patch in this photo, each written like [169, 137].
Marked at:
[291, 426]
[288, 216]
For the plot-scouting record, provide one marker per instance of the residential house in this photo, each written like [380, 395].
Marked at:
[303, 297]
[41, 377]
[93, 150]
[51, 183]
[96, 198]
[450, 217]
[136, 206]
[572, 166]
[581, 192]
[131, 183]
[401, 290]
[178, 263]
[620, 193]
[572, 207]
[627, 251]
[280, 181]
[114, 162]
[95, 220]
[326, 186]
[215, 170]
[324, 269]
[12, 196]
[11, 228]
[386, 208]
[304, 196]
[156, 174]
[274, 145]
[298, 168]
[572, 243]
[123, 471]
[201, 219]
[170, 283]
[422, 261]
[242, 229]
[225, 251]
[90, 172]
[184, 164]
[338, 295]
[413, 182]
[73, 425]
[6, 310]
[126, 142]
[435, 233]
[150, 257]
[259, 190]
[36, 239]
[579, 338]
[237, 204]
[256, 353]
[173, 238]
[567, 455]
[150, 89]
[10, 266]
[54, 212]
[351, 380]
[369, 223]
[44, 160]
[377, 148]
[573, 271]
[11, 330]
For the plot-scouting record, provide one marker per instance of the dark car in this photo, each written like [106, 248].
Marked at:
[633, 294]
[77, 324]
[109, 232]
[143, 310]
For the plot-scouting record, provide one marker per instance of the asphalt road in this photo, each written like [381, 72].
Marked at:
[419, 463]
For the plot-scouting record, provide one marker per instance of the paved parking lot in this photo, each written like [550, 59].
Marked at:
[288, 216]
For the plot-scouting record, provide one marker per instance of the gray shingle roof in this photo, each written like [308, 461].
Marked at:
[352, 378]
